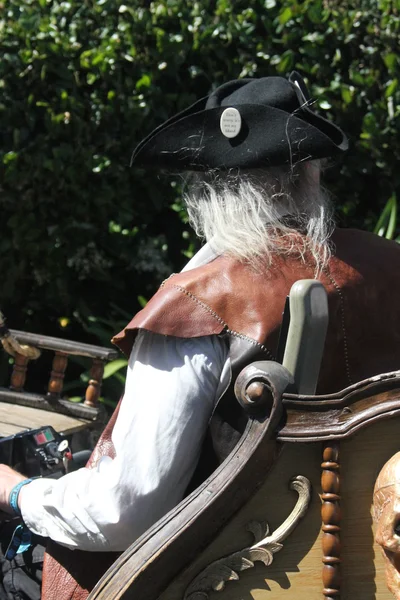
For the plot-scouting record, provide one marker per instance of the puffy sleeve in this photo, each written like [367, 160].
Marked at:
[171, 389]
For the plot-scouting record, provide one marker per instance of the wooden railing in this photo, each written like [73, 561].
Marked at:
[52, 400]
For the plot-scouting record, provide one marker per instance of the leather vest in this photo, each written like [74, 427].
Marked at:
[231, 299]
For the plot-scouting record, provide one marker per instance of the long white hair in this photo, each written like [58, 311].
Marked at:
[258, 214]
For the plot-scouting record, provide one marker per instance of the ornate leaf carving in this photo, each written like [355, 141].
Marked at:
[263, 555]
[260, 530]
[239, 562]
[218, 573]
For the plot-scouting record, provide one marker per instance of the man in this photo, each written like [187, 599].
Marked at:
[252, 152]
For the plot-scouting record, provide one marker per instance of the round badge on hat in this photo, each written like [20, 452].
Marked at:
[230, 122]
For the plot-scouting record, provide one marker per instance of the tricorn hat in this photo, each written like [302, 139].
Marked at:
[245, 123]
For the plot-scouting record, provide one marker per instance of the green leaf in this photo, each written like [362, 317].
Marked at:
[392, 219]
[347, 95]
[91, 78]
[386, 224]
[286, 62]
[314, 12]
[391, 88]
[142, 301]
[144, 82]
[391, 61]
[114, 366]
[75, 399]
[285, 16]
[9, 157]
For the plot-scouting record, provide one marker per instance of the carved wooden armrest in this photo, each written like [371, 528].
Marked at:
[146, 568]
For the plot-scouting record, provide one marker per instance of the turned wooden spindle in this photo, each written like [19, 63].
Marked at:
[18, 375]
[60, 362]
[94, 386]
[331, 518]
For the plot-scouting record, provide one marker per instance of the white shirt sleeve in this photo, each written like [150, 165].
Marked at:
[171, 389]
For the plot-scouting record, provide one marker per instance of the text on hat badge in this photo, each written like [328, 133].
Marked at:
[230, 122]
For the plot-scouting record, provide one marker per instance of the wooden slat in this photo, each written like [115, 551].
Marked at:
[14, 418]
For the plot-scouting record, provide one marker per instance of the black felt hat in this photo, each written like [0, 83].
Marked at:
[246, 123]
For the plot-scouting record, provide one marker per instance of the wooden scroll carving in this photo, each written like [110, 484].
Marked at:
[265, 546]
[148, 566]
[330, 512]
[339, 415]
[387, 519]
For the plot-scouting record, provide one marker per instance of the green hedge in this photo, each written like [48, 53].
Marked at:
[81, 82]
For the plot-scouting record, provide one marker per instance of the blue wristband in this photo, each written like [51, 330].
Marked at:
[13, 497]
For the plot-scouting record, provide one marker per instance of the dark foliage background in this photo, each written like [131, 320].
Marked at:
[84, 239]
